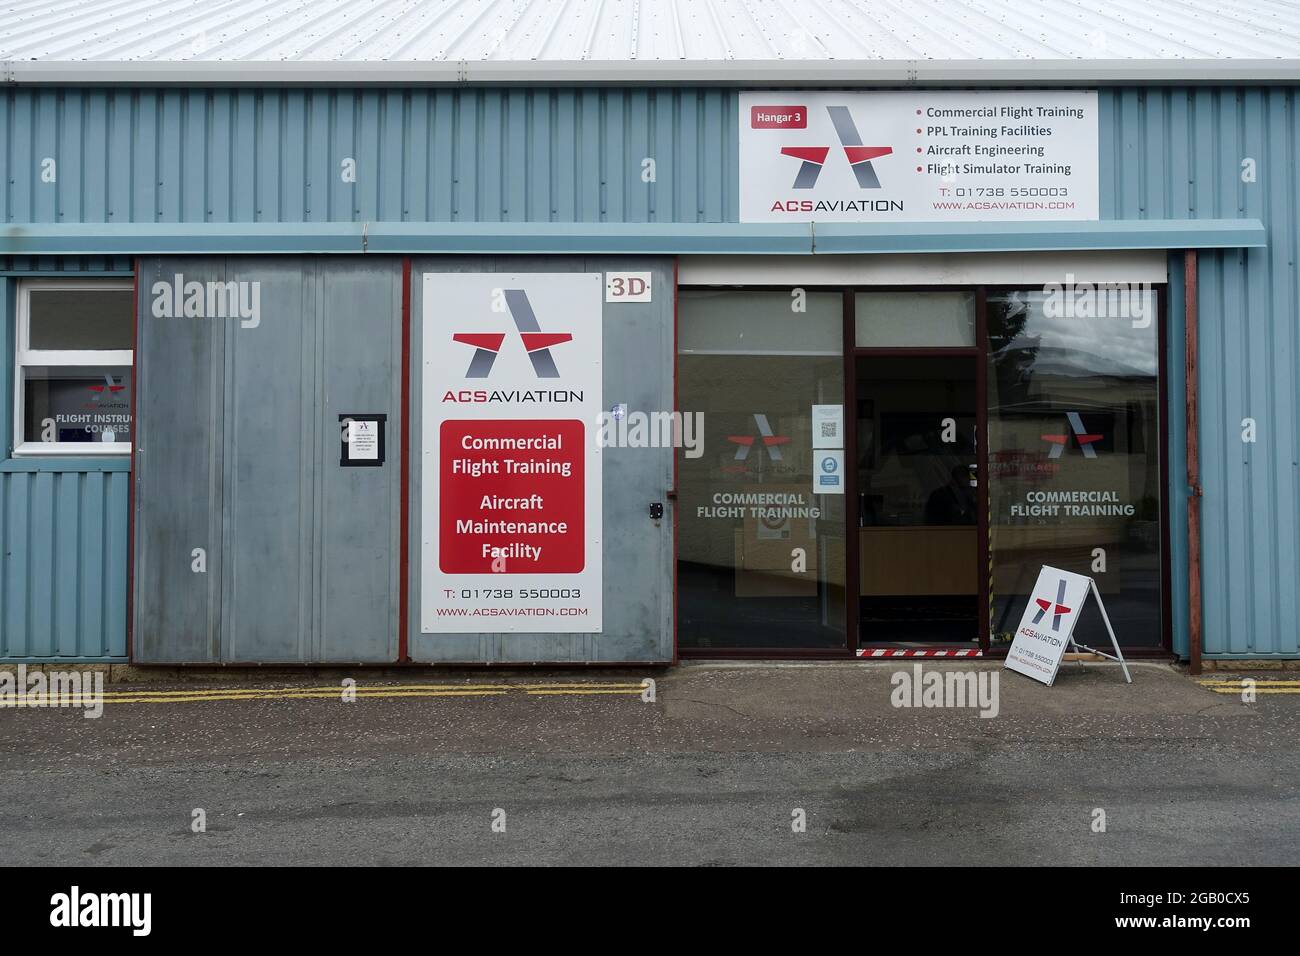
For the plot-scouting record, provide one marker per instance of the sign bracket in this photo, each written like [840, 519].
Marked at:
[1119, 655]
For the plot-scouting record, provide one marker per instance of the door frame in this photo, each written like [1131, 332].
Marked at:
[979, 351]
[976, 353]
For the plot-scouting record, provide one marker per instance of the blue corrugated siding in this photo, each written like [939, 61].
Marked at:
[464, 155]
[63, 530]
[63, 577]
[576, 156]
[1170, 154]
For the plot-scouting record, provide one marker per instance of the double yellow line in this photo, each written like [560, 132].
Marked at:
[1234, 686]
[583, 689]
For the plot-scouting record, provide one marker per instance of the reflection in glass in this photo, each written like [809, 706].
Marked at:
[760, 553]
[77, 404]
[1074, 467]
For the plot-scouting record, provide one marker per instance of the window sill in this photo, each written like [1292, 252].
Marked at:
[79, 456]
[104, 449]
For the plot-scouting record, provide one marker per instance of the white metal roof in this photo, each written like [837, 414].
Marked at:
[737, 41]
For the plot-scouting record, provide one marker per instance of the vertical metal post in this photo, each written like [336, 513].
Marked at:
[852, 600]
[1193, 465]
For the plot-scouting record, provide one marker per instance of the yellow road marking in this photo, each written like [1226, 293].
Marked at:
[363, 689]
[553, 693]
[335, 693]
[1258, 683]
[1237, 691]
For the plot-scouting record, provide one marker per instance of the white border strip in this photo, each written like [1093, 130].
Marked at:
[1024, 269]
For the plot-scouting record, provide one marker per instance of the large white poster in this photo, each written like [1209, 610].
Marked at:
[510, 495]
[918, 156]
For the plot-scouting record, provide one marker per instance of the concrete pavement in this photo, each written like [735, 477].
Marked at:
[714, 771]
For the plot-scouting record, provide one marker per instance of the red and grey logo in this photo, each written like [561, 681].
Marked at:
[110, 387]
[1081, 435]
[859, 156]
[772, 442]
[536, 342]
[1056, 608]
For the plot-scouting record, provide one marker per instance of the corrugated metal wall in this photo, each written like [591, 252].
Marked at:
[576, 155]
[63, 527]
[420, 155]
[63, 579]
[1187, 154]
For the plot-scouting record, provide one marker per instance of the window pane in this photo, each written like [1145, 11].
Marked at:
[776, 323]
[84, 404]
[81, 318]
[927, 319]
[760, 548]
[1074, 460]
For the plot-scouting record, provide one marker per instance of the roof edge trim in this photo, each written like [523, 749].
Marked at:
[740, 73]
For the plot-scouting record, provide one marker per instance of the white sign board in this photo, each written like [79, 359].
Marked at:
[363, 440]
[1048, 623]
[627, 286]
[828, 426]
[920, 156]
[510, 496]
[828, 471]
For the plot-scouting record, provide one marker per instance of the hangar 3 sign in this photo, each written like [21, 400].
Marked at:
[918, 156]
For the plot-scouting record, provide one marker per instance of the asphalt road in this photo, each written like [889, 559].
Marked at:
[708, 774]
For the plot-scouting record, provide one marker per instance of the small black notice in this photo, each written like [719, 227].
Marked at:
[362, 440]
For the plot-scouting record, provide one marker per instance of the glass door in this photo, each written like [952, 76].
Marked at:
[761, 502]
[918, 499]
[918, 504]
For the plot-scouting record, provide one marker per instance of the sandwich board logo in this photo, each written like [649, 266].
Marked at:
[766, 437]
[1058, 609]
[1081, 435]
[487, 345]
[813, 158]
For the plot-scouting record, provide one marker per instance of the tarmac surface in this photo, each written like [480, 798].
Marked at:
[571, 767]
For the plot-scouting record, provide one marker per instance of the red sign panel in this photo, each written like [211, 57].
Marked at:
[778, 117]
[511, 496]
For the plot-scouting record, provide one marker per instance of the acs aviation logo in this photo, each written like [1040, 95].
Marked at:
[859, 156]
[536, 342]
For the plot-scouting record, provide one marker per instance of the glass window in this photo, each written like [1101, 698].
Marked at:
[920, 319]
[1074, 457]
[99, 319]
[761, 323]
[74, 367]
[760, 537]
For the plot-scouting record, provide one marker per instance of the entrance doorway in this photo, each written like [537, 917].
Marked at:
[984, 434]
[919, 536]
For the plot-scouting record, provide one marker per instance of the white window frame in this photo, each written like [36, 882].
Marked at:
[25, 356]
